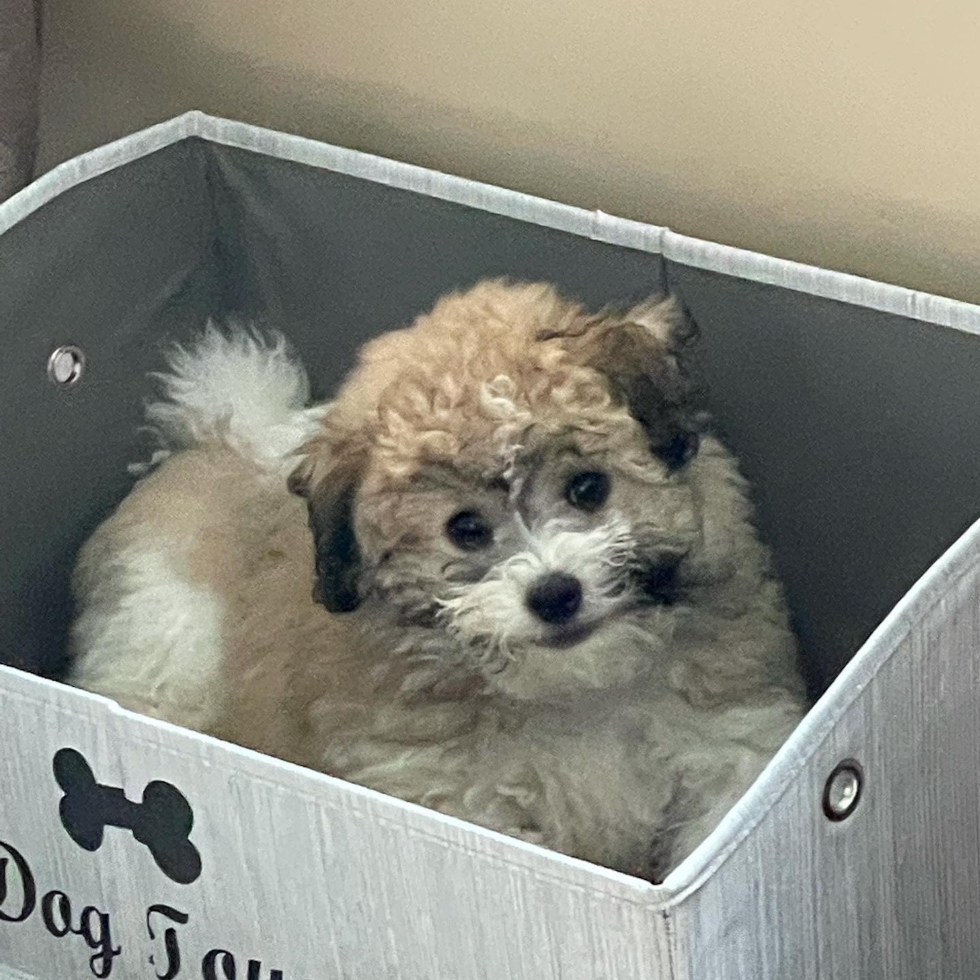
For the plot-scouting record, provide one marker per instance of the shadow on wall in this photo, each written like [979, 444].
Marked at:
[701, 148]
[19, 77]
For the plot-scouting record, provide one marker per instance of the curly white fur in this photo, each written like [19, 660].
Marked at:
[234, 385]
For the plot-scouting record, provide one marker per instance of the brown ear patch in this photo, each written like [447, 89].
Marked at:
[327, 479]
[649, 356]
[338, 556]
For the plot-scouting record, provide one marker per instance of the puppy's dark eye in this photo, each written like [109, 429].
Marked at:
[469, 531]
[587, 491]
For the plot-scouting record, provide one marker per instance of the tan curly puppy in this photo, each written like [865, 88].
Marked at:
[542, 605]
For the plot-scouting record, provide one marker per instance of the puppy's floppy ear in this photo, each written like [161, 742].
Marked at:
[327, 478]
[649, 356]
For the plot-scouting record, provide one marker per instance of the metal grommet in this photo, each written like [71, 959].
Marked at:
[65, 366]
[842, 791]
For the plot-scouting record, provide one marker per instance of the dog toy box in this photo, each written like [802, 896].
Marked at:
[130, 848]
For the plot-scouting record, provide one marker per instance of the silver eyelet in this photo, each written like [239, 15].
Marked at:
[66, 366]
[842, 791]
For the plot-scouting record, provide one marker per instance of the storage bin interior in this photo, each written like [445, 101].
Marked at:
[857, 428]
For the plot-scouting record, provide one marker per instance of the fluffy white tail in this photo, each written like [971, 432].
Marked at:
[238, 387]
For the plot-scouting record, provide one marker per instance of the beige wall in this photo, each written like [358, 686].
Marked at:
[844, 134]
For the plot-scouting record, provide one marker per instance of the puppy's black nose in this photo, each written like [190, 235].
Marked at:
[556, 598]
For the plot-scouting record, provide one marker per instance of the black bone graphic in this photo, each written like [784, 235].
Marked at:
[163, 821]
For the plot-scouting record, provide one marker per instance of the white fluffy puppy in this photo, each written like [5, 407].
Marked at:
[541, 604]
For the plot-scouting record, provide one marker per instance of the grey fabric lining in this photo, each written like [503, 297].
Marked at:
[857, 431]
[114, 265]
